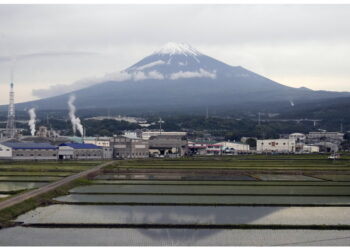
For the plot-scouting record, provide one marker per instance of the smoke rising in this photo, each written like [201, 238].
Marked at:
[76, 124]
[31, 122]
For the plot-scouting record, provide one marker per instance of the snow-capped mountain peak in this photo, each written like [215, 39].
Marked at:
[172, 48]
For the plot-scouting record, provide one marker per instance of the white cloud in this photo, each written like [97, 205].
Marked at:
[191, 74]
[60, 89]
[155, 75]
[159, 62]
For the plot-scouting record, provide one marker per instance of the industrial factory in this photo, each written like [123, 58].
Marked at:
[46, 144]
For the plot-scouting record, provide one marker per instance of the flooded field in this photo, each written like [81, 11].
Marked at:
[221, 183]
[283, 177]
[170, 237]
[185, 208]
[188, 215]
[334, 177]
[165, 176]
[207, 199]
[17, 186]
[220, 190]
[29, 178]
[23, 173]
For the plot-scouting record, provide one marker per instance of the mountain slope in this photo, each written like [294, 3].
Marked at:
[178, 76]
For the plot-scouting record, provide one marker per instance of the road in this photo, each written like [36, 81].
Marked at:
[30, 194]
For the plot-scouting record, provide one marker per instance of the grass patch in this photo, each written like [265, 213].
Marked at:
[8, 214]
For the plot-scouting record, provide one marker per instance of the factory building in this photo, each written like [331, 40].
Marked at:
[168, 145]
[311, 149]
[276, 145]
[146, 135]
[80, 151]
[234, 147]
[98, 141]
[324, 136]
[28, 151]
[126, 147]
[327, 141]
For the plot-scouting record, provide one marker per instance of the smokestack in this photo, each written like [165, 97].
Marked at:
[31, 122]
[76, 124]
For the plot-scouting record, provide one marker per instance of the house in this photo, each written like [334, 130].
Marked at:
[28, 151]
[80, 151]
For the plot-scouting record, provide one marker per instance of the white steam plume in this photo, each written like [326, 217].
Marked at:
[31, 122]
[76, 124]
[291, 103]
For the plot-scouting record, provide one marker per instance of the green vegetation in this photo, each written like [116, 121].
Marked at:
[8, 214]
[55, 166]
[241, 162]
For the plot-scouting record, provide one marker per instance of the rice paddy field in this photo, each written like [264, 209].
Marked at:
[17, 177]
[281, 200]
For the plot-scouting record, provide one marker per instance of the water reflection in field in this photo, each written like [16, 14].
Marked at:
[192, 215]
[21, 236]
[203, 199]
[16, 186]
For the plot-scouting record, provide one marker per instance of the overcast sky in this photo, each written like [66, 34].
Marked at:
[52, 47]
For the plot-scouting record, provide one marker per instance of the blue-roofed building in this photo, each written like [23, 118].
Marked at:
[80, 151]
[28, 151]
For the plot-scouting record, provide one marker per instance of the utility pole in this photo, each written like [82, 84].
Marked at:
[160, 125]
[341, 127]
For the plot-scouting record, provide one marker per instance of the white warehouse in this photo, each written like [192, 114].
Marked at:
[276, 145]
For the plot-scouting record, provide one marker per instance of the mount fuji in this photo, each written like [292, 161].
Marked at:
[179, 77]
